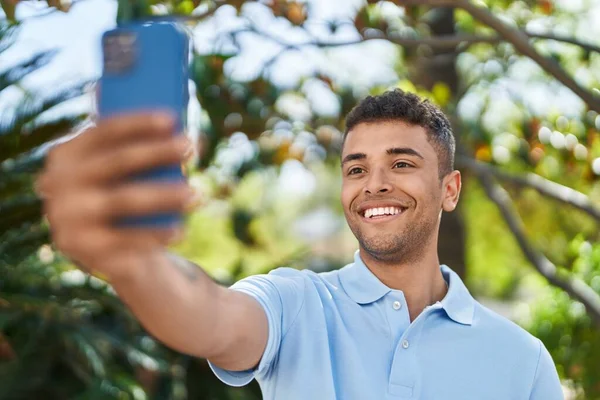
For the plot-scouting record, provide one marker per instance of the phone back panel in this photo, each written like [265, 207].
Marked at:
[146, 69]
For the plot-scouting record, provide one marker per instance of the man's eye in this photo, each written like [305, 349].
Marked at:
[401, 164]
[355, 170]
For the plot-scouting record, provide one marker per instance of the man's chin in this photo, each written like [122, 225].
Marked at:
[379, 248]
[385, 256]
[382, 235]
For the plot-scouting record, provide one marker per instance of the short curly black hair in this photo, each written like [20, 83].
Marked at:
[398, 105]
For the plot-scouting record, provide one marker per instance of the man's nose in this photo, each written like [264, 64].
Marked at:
[378, 182]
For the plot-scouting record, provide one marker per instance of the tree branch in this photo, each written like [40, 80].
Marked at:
[440, 42]
[564, 39]
[452, 41]
[575, 287]
[542, 185]
[520, 41]
[443, 42]
[449, 41]
[251, 28]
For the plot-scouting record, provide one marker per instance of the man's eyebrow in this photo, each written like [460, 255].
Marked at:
[404, 150]
[393, 151]
[353, 157]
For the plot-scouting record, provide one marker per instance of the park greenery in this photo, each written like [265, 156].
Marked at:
[519, 79]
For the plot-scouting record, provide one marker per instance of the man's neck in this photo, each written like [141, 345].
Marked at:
[421, 280]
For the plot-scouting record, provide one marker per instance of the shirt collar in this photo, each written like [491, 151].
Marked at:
[360, 283]
[458, 302]
[364, 287]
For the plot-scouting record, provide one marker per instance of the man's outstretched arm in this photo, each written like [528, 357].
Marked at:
[184, 308]
[86, 185]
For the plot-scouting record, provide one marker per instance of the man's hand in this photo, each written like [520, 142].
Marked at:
[85, 189]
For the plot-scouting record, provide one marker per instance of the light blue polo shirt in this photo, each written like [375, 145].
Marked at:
[345, 335]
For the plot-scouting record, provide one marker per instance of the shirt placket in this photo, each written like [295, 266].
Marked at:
[404, 373]
[397, 316]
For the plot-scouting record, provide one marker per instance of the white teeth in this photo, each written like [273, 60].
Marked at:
[374, 212]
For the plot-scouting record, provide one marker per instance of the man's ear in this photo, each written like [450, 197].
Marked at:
[451, 186]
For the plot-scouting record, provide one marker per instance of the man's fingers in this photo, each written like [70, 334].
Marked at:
[122, 129]
[127, 238]
[132, 199]
[141, 236]
[113, 142]
[146, 198]
[134, 158]
[105, 242]
[142, 125]
[99, 239]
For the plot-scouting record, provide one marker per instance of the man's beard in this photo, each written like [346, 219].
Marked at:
[396, 247]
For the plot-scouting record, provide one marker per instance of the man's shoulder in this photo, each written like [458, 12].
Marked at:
[503, 331]
[302, 282]
[307, 277]
[308, 274]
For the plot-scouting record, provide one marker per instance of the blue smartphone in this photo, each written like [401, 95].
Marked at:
[145, 69]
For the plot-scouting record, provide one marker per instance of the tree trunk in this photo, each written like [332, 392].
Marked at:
[440, 66]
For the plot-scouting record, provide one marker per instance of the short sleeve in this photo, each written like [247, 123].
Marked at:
[546, 384]
[281, 295]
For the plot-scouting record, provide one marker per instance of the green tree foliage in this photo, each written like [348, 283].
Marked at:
[531, 166]
[564, 325]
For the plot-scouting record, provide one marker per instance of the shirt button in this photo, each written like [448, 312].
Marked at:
[405, 344]
[397, 305]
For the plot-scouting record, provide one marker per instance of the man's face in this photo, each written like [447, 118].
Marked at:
[391, 189]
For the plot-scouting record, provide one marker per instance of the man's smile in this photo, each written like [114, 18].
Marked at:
[380, 211]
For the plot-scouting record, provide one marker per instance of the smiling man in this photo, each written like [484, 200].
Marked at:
[394, 324]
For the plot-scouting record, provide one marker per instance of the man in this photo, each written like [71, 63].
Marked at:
[394, 324]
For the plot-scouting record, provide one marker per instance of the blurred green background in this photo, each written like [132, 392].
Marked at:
[272, 81]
